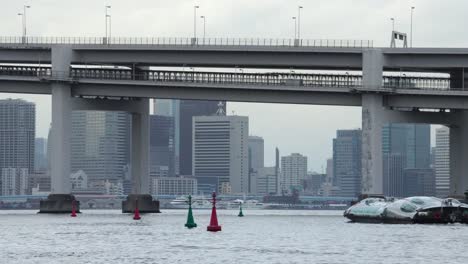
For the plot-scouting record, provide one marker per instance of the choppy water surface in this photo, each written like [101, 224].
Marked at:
[259, 237]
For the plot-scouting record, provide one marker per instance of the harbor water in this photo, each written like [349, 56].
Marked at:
[262, 236]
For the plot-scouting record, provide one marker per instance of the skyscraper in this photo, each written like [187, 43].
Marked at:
[171, 108]
[100, 145]
[40, 154]
[17, 134]
[442, 162]
[220, 153]
[256, 159]
[347, 162]
[188, 110]
[162, 146]
[404, 146]
[293, 171]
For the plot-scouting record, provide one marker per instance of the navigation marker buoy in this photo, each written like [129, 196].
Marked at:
[190, 222]
[73, 212]
[214, 227]
[240, 211]
[136, 216]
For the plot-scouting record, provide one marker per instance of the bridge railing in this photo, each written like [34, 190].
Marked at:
[174, 41]
[390, 83]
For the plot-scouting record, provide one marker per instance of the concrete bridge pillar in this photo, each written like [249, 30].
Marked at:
[373, 118]
[140, 163]
[60, 199]
[459, 154]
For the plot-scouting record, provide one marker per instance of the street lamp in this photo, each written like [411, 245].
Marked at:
[204, 27]
[195, 23]
[295, 27]
[411, 29]
[393, 23]
[299, 22]
[23, 15]
[22, 23]
[108, 21]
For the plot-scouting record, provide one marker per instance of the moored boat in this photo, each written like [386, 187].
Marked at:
[420, 209]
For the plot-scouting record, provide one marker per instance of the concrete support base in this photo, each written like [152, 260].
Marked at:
[58, 204]
[146, 204]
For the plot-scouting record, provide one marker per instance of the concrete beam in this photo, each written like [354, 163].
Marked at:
[211, 92]
[86, 104]
[24, 86]
[427, 101]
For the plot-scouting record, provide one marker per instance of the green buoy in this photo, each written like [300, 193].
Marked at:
[190, 222]
[240, 211]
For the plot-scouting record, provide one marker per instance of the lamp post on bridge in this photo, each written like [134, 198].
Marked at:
[295, 27]
[204, 28]
[299, 22]
[194, 41]
[108, 23]
[411, 28]
[24, 22]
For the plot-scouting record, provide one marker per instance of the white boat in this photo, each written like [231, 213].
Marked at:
[198, 202]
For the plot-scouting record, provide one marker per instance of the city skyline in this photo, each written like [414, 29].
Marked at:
[314, 24]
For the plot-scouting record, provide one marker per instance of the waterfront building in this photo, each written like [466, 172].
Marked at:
[40, 180]
[100, 145]
[180, 185]
[266, 179]
[220, 152]
[293, 171]
[14, 181]
[347, 162]
[442, 162]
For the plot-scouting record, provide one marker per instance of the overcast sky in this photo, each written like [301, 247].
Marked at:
[293, 128]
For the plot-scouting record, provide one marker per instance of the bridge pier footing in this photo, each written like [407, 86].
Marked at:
[58, 204]
[146, 204]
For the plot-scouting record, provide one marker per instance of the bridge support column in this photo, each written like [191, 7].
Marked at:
[60, 199]
[372, 164]
[373, 118]
[140, 164]
[459, 154]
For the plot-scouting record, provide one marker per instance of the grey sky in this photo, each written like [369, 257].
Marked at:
[293, 128]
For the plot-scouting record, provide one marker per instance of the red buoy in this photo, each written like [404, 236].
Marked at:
[136, 215]
[214, 227]
[73, 213]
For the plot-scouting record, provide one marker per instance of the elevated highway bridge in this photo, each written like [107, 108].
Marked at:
[122, 75]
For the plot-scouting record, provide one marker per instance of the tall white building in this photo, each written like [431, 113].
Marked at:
[14, 181]
[293, 171]
[220, 153]
[442, 162]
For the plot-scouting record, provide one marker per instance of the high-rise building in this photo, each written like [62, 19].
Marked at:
[100, 145]
[187, 110]
[40, 154]
[220, 153]
[14, 181]
[404, 146]
[173, 186]
[266, 181]
[347, 162]
[419, 182]
[442, 162]
[171, 107]
[256, 159]
[17, 134]
[293, 171]
[162, 145]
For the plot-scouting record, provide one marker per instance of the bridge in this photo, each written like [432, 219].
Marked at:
[113, 75]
